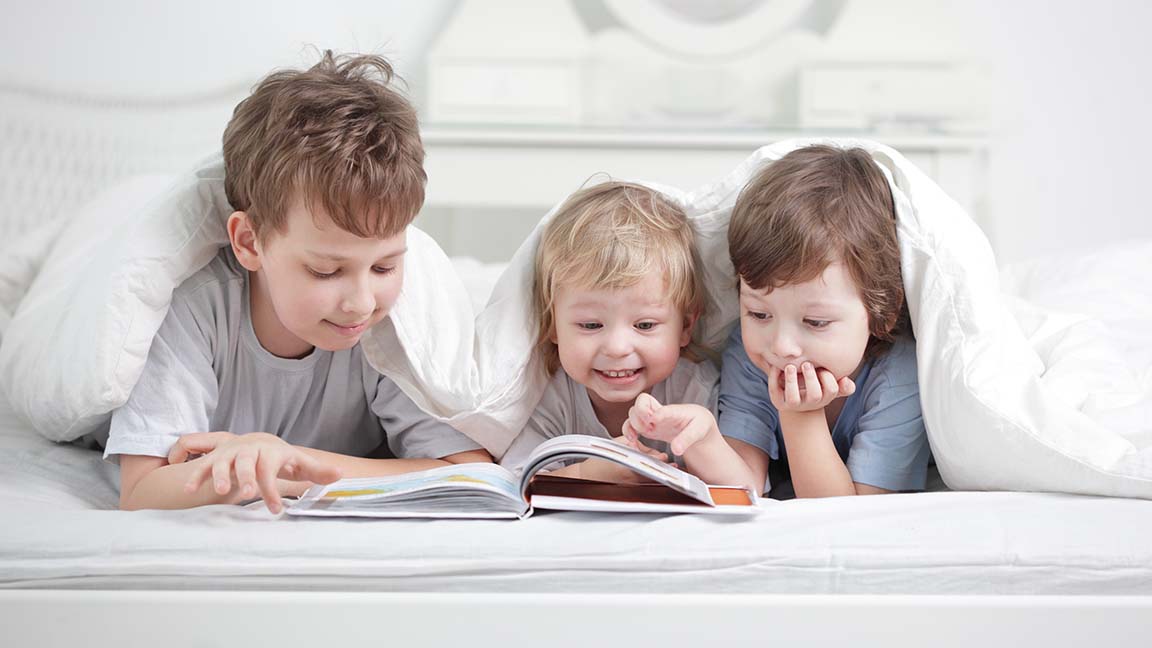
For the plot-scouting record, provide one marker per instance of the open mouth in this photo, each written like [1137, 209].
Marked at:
[619, 376]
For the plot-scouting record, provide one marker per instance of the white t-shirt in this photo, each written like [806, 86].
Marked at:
[206, 371]
[565, 407]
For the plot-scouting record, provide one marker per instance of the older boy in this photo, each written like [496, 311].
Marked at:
[324, 170]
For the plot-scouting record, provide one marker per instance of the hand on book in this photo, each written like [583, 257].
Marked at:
[681, 425]
[254, 460]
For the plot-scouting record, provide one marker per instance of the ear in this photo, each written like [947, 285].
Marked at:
[244, 243]
[689, 326]
[552, 333]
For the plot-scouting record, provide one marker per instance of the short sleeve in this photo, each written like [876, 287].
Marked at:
[745, 411]
[890, 449]
[177, 392]
[548, 420]
[411, 432]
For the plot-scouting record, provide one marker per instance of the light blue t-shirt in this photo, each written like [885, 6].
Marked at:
[879, 433]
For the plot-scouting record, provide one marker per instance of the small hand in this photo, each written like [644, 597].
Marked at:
[256, 460]
[681, 425]
[820, 388]
[196, 443]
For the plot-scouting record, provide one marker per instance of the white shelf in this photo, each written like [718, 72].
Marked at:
[489, 185]
[517, 137]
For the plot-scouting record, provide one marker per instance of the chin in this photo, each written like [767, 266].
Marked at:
[337, 345]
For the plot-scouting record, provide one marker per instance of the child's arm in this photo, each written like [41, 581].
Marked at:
[817, 470]
[364, 467]
[217, 448]
[692, 432]
[155, 483]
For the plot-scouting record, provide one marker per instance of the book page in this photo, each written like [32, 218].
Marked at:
[461, 490]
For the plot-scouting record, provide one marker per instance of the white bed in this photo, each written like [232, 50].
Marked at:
[995, 565]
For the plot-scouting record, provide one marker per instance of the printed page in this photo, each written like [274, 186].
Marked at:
[473, 490]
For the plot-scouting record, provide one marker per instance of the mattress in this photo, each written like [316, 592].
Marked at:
[61, 529]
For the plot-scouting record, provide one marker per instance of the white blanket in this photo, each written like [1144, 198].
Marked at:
[1014, 397]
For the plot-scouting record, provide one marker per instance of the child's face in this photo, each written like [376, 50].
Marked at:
[822, 321]
[326, 285]
[619, 343]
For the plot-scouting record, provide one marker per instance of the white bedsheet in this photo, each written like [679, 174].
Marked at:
[60, 530]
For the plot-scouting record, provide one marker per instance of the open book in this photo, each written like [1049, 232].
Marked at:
[478, 490]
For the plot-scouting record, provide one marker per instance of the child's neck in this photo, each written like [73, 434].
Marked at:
[611, 415]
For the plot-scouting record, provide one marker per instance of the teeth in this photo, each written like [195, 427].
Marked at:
[620, 374]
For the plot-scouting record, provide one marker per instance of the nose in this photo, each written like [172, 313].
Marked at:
[358, 298]
[618, 342]
[782, 343]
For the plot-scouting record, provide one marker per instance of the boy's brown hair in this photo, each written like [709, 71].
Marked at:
[612, 235]
[337, 135]
[814, 206]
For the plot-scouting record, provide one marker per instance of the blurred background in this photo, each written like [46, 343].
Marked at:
[1031, 114]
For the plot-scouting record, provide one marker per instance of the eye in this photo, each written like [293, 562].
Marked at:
[589, 326]
[323, 275]
[383, 270]
[817, 324]
[645, 326]
[763, 317]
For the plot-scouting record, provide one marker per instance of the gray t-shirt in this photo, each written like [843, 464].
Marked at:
[206, 371]
[566, 408]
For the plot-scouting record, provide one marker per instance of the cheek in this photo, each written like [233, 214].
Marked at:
[755, 338]
[306, 302]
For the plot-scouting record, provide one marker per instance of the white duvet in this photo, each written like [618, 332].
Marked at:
[1016, 395]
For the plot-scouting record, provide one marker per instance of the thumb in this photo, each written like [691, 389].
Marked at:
[190, 444]
[847, 387]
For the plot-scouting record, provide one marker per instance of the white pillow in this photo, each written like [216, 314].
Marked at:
[77, 344]
[1003, 413]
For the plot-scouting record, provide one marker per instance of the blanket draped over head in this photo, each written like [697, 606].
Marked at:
[1015, 397]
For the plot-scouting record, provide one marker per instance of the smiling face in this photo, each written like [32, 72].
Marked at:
[314, 284]
[822, 321]
[619, 342]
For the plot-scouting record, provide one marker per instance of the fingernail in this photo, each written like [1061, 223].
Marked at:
[221, 485]
[807, 366]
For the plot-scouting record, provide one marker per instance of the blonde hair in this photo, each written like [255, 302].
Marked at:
[339, 135]
[613, 235]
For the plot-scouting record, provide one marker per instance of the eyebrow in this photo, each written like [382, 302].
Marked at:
[815, 303]
[328, 256]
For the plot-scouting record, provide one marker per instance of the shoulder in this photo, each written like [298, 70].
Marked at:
[211, 286]
[892, 381]
[897, 367]
[560, 394]
[692, 381]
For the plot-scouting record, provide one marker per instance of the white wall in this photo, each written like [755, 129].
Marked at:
[1073, 92]
[1072, 152]
[123, 44]
[1071, 108]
